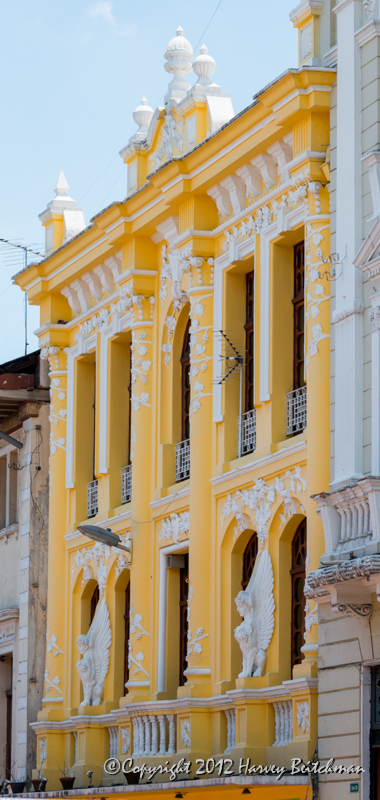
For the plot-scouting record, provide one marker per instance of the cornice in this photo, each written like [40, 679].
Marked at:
[342, 5]
[300, 80]
[9, 613]
[259, 463]
[170, 498]
[355, 307]
[337, 573]
[368, 32]
[126, 515]
[305, 7]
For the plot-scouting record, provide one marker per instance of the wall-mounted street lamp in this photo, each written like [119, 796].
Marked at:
[11, 440]
[105, 536]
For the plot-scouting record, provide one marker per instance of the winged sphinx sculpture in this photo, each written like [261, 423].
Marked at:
[256, 606]
[95, 649]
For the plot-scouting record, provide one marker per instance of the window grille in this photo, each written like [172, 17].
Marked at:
[126, 484]
[92, 498]
[247, 432]
[296, 411]
[182, 460]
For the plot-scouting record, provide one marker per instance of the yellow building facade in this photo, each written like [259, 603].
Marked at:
[216, 263]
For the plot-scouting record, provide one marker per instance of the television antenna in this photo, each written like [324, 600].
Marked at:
[233, 362]
[26, 250]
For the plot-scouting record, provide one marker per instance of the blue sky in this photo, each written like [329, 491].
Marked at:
[74, 71]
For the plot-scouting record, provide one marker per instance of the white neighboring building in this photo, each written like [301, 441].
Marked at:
[24, 500]
[347, 584]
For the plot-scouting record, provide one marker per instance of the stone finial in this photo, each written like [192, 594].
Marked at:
[204, 66]
[178, 55]
[61, 188]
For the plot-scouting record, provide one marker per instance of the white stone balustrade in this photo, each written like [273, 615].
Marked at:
[283, 712]
[351, 515]
[113, 731]
[154, 735]
[231, 728]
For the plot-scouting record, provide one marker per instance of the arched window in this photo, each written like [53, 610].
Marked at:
[298, 574]
[185, 385]
[249, 559]
[94, 602]
[126, 633]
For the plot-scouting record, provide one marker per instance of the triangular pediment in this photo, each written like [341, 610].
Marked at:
[369, 253]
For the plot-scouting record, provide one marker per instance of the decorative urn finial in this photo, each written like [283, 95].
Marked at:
[178, 55]
[142, 116]
[204, 66]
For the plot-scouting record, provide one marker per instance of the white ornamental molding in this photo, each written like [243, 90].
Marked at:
[186, 733]
[303, 716]
[52, 646]
[49, 353]
[125, 740]
[195, 645]
[260, 500]
[374, 315]
[175, 526]
[317, 581]
[172, 136]
[42, 751]
[92, 286]
[52, 684]
[175, 263]
[95, 562]
[356, 610]
[355, 307]
[314, 289]
[170, 325]
[136, 626]
[136, 660]
[311, 617]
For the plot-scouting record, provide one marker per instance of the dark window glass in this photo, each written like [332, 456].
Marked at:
[249, 342]
[94, 602]
[299, 316]
[126, 634]
[249, 559]
[183, 596]
[298, 598]
[130, 405]
[185, 384]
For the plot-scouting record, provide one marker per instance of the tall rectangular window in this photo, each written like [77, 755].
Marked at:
[299, 316]
[183, 596]
[249, 342]
[375, 734]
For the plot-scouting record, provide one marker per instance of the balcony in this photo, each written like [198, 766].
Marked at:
[182, 460]
[247, 432]
[92, 498]
[296, 411]
[126, 484]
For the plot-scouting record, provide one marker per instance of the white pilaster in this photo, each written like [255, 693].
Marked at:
[348, 315]
[375, 392]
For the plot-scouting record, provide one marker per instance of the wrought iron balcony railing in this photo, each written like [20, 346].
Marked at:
[126, 484]
[296, 411]
[182, 460]
[247, 432]
[92, 498]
